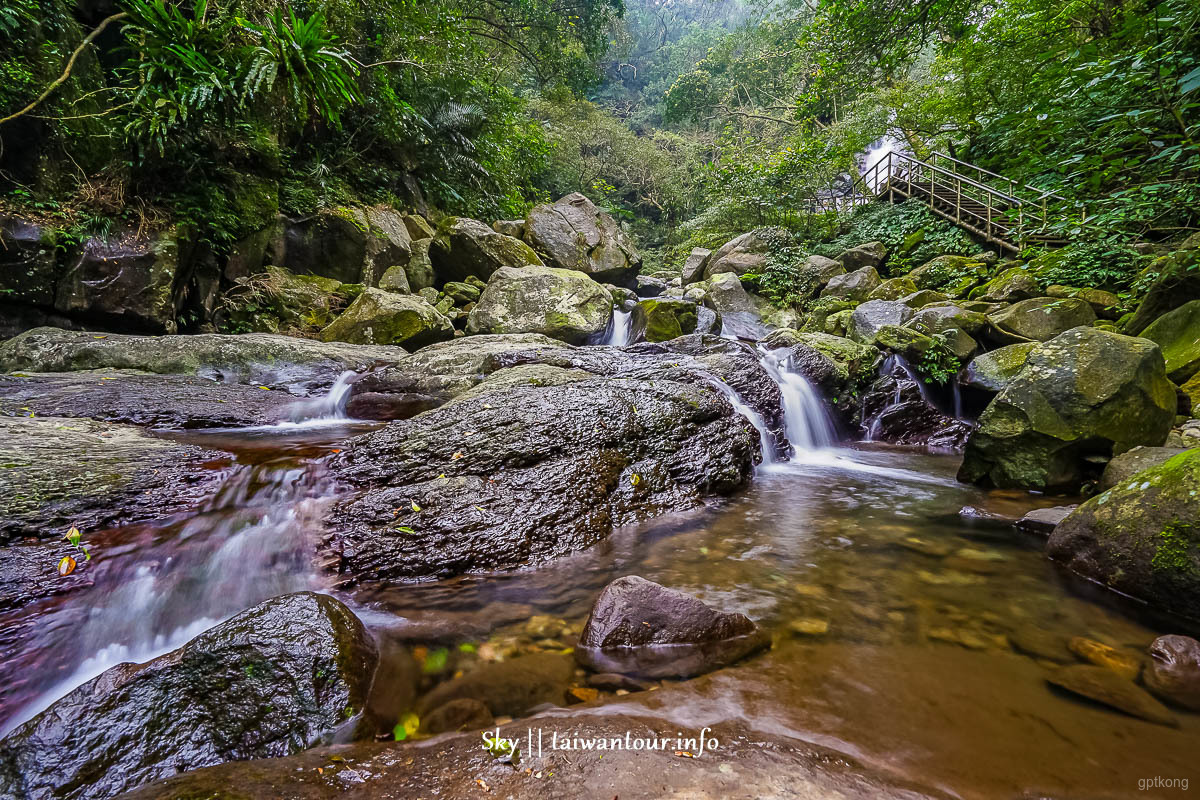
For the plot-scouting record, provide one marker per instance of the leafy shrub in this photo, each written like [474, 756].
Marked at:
[913, 235]
[1099, 265]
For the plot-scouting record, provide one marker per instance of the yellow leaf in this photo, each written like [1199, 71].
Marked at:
[416, 507]
[66, 566]
[635, 479]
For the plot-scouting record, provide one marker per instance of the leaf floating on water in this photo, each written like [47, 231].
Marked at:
[66, 566]
[416, 507]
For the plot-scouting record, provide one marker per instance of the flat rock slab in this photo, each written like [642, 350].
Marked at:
[746, 764]
[1104, 686]
[57, 472]
[1043, 521]
[181, 402]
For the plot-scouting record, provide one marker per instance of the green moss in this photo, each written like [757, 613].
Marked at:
[1176, 550]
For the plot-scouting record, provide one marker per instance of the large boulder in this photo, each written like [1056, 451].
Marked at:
[994, 370]
[741, 255]
[350, 245]
[870, 254]
[1011, 286]
[662, 320]
[126, 282]
[554, 448]
[841, 369]
[1087, 393]
[1040, 319]
[573, 234]
[466, 247]
[377, 317]
[1178, 334]
[253, 358]
[264, 684]
[855, 286]
[63, 472]
[953, 275]
[870, 317]
[276, 301]
[1131, 462]
[561, 303]
[1174, 670]
[894, 289]
[1141, 537]
[693, 266]
[640, 628]
[1176, 280]
[739, 315]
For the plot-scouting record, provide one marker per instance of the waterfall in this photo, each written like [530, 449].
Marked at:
[622, 325]
[329, 407]
[766, 440]
[806, 421]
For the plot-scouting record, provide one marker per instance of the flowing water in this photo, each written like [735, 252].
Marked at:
[620, 330]
[901, 611]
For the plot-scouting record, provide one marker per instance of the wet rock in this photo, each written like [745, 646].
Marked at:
[871, 254]
[29, 572]
[1177, 333]
[809, 626]
[1105, 304]
[62, 472]
[126, 281]
[377, 317]
[1108, 688]
[1043, 521]
[614, 681]
[663, 320]
[1127, 665]
[1177, 283]
[466, 247]
[518, 472]
[854, 286]
[462, 714]
[1174, 671]
[642, 628]
[650, 286]
[868, 318]
[1036, 643]
[573, 234]
[1039, 319]
[694, 265]
[28, 266]
[741, 255]
[1085, 393]
[739, 315]
[1141, 537]
[507, 688]
[839, 368]
[253, 358]
[893, 289]
[1128, 464]
[153, 401]
[561, 303]
[266, 683]
[994, 370]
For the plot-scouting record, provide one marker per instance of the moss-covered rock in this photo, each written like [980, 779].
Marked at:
[573, 234]
[561, 303]
[1175, 280]
[924, 297]
[1105, 304]
[385, 318]
[893, 289]
[1086, 393]
[741, 255]
[870, 254]
[466, 247]
[1010, 286]
[350, 245]
[866, 320]
[660, 320]
[1141, 537]
[1040, 319]
[855, 286]
[276, 301]
[1178, 334]
[994, 370]
[953, 275]
[904, 341]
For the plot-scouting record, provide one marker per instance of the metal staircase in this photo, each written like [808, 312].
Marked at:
[991, 206]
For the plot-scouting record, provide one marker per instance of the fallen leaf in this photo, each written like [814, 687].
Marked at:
[66, 566]
[457, 456]
[481, 782]
[268, 388]
[72, 535]
[635, 479]
[416, 507]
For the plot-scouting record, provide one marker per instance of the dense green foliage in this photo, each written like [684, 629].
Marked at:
[693, 122]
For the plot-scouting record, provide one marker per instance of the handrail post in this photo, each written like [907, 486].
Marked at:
[958, 200]
[988, 229]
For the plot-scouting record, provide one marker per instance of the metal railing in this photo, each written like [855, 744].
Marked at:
[998, 209]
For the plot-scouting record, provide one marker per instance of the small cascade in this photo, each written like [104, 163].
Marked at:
[330, 407]
[767, 441]
[620, 330]
[254, 540]
[806, 421]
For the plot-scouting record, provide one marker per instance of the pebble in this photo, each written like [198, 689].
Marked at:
[809, 626]
[1127, 665]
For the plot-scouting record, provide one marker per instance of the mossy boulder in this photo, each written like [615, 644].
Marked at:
[870, 254]
[1141, 537]
[905, 341]
[660, 320]
[837, 323]
[866, 320]
[893, 289]
[573, 234]
[563, 304]
[1083, 396]
[855, 286]
[277, 301]
[1105, 304]
[1010, 286]
[953, 275]
[385, 318]
[350, 245]
[841, 369]
[924, 297]
[994, 370]
[464, 247]
[1175, 280]
[461, 293]
[1039, 319]
[1178, 334]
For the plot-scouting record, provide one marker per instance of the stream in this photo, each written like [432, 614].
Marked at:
[901, 602]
